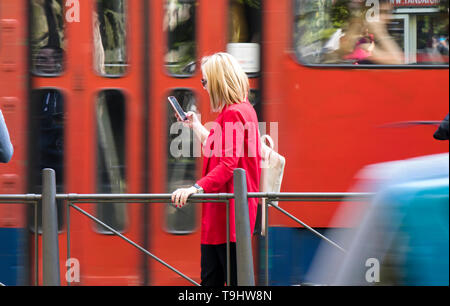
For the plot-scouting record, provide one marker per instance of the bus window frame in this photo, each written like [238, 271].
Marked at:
[32, 226]
[97, 228]
[299, 61]
[166, 228]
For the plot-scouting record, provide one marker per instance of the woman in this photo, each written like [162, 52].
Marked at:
[232, 143]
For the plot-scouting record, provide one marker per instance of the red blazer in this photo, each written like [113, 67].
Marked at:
[233, 142]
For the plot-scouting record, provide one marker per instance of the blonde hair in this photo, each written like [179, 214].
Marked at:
[227, 83]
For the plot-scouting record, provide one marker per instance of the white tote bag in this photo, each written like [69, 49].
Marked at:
[272, 169]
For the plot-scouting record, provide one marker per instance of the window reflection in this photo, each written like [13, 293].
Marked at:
[244, 33]
[370, 32]
[109, 30]
[181, 164]
[110, 115]
[254, 97]
[244, 23]
[47, 36]
[180, 25]
[46, 146]
[432, 38]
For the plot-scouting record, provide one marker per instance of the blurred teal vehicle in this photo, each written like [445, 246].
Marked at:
[403, 238]
[406, 228]
[422, 212]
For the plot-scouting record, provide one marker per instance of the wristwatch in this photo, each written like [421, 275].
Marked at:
[199, 188]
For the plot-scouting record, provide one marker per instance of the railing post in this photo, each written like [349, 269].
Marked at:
[244, 257]
[50, 249]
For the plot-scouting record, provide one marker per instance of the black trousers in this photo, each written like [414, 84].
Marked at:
[214, 264]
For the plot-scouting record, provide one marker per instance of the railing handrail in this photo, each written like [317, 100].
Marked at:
[29, 197]
[147, 198]
[294, 196]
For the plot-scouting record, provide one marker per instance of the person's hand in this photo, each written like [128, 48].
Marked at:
[195, 124]
[180, 196]
[380, 27]
[191, 120]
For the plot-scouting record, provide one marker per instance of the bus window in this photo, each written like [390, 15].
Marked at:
[381, 32]
[254, 97]
[180, 25]
[432, 38]
[244, 33]
[181, 163]
[109, 32]
[47, 37]
[46, 145]
[110, 170]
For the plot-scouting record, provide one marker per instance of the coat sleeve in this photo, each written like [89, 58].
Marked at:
[6, 148]
[232, 146]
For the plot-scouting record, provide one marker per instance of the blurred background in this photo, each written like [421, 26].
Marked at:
[357, 89]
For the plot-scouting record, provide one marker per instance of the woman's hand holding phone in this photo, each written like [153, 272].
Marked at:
[194, 123]
[190, 121]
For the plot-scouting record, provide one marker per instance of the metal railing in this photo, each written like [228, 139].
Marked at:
[244, 256]
[243, 243]
[302, 197]
[128, 198]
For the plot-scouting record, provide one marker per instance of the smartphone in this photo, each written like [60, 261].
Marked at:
[177, 108]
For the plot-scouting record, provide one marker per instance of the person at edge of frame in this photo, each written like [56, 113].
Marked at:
[442, 131]
[6, 148]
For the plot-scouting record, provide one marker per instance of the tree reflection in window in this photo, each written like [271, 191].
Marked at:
[110, 117]
[244, 21]
[109, 30]
[180, 26]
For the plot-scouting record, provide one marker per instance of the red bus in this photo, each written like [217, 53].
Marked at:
[84, 86]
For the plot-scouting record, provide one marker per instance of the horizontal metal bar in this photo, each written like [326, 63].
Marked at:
[142, 196]
[216, 196]
[310, 195]
[134, 244]
[222, 196]
[133, 201]
[17, 202]
[20, 197]
[323, 200]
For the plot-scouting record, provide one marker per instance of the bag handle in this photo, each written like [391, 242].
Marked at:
[269, 139]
